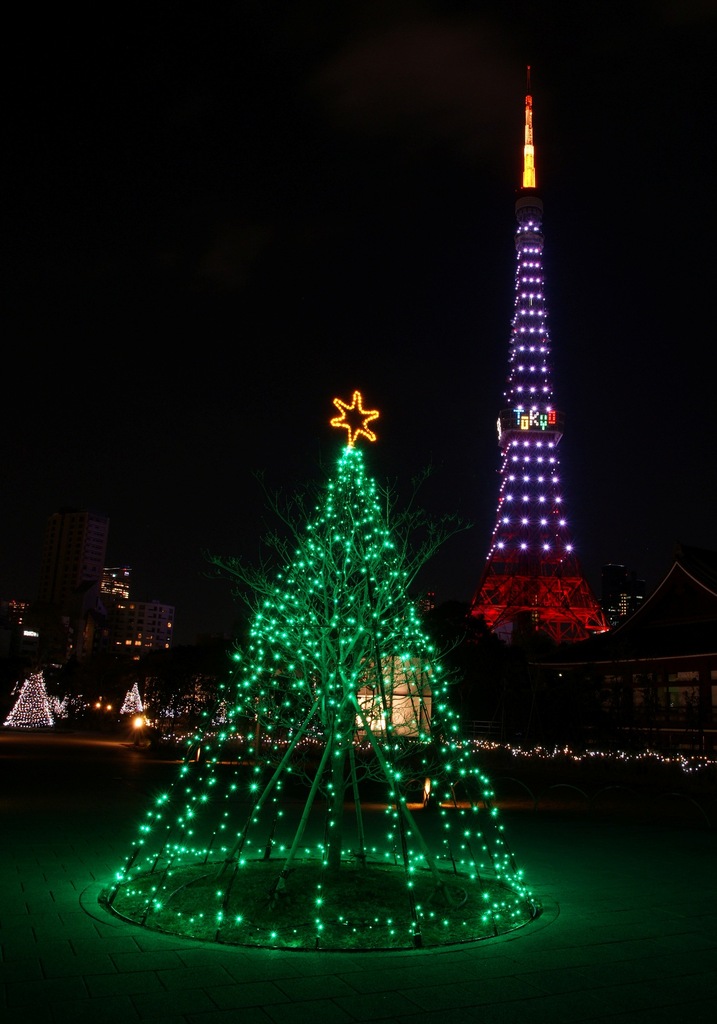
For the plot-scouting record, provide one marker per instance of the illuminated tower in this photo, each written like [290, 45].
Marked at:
[532, 581]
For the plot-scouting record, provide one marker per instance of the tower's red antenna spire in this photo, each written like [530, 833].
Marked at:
[528, 148]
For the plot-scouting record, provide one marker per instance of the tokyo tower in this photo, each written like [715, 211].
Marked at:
[532, 581]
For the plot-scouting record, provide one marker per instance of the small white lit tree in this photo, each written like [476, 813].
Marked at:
[32, 709]
[132, 704]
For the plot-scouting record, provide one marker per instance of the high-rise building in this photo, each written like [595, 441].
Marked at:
[73, 554]
[622, 592]
[73, 558]
[532, 581]
[136, 627]
[83, 606]
[115, 583]
[16, 638]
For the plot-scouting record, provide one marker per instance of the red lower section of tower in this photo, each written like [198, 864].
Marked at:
[559, 604]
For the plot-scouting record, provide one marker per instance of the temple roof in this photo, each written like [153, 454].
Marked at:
[678, 619]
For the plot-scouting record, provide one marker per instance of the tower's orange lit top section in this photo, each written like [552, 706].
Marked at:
[528, 148]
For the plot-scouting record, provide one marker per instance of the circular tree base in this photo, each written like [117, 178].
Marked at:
[362, 906]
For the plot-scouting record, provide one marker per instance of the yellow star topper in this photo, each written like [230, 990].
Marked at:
[354, 418]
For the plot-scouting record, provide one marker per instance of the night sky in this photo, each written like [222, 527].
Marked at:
[216, 225]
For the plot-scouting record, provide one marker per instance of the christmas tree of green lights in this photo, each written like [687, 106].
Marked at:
[337, 806]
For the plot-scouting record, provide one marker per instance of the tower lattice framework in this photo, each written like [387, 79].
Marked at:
[532, 580]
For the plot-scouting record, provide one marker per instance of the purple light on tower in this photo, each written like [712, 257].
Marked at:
[532, 581]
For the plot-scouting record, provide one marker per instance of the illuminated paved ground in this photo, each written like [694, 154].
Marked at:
[628, 931]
